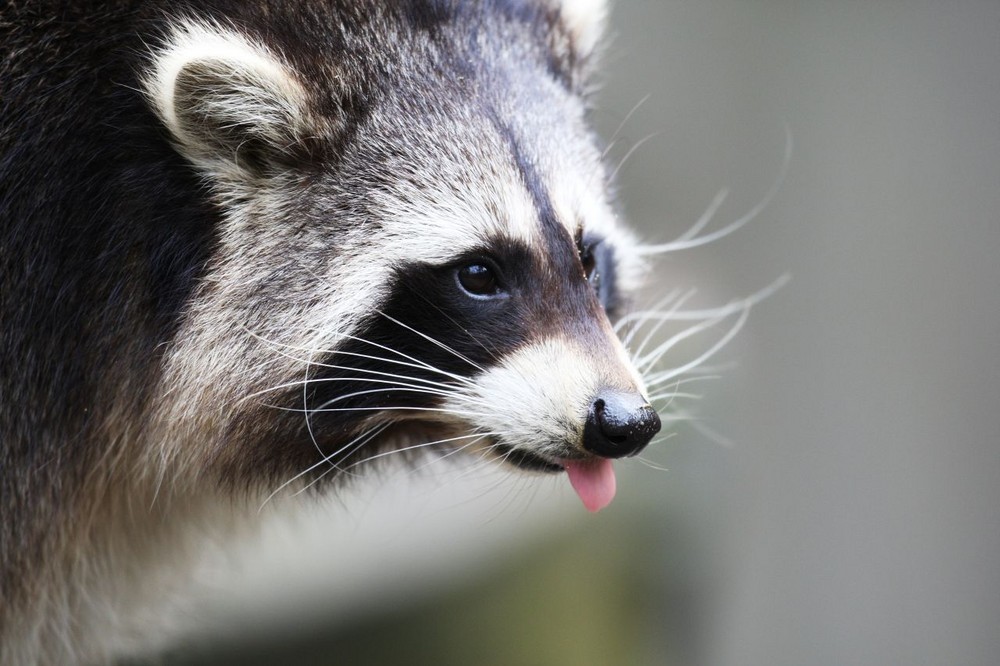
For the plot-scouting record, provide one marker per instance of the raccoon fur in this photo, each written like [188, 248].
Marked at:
[249, 245]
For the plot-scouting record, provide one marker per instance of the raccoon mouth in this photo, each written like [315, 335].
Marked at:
[527, 461]
[593, 479]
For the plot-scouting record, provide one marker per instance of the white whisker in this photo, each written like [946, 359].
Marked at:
[363, 438]
[621, 125]
[726, 310]
[395, 408]
[478, 438]
[649, 463]
[638, 144]
[709, 353]
[659, 324]
[650, 359]
[706, 217]
[434, 341]
[672, 395]
[449, 388]
[395, 387]
[423, 445]
[632, 316]
[389, 386]
[685, 243]
[345, 452]
[711, 434]
[418, 363]
[305, 403]
[641, 318]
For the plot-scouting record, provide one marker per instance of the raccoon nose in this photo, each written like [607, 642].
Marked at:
[619, 424]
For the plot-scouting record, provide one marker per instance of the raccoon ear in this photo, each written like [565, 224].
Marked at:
[233, 107]
[584, 20]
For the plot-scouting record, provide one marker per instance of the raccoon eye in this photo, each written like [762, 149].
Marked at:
[478, 280]
[588, 260]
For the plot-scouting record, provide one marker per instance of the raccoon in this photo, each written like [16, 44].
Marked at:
[247, 246]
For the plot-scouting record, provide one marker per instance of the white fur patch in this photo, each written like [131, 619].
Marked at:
[470, 204]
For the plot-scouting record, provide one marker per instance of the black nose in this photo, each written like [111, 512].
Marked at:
[619, 424]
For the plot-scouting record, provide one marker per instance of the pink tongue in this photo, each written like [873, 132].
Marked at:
[593, 481]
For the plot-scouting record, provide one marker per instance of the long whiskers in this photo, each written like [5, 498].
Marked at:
[444, 391]
[410, 361]
[433, 341]
[305, 401]
[450, 389]
[384, 408]
[659, 378]
[479, 343]
[345, 450]
[631, 151]
[662, 319]
[621, 125]
[664, 385]
[422, 445]
[704, 318]
[475, 436]
[690, 239]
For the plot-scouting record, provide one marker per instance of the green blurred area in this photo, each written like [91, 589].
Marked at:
[584, 599]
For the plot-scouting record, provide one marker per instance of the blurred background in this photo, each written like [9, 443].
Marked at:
[837, 498]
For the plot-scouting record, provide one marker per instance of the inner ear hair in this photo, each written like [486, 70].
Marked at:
[585, 21]
[232, 106]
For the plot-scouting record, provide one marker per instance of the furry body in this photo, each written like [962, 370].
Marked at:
[238, 240]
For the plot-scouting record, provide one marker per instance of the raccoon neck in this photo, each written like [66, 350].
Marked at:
[110, 572]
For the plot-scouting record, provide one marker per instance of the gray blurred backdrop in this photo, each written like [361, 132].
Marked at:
[848, 509]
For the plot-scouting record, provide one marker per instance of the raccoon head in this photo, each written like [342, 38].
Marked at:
[417, 246]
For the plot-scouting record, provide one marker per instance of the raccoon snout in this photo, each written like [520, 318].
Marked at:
[619, 424]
